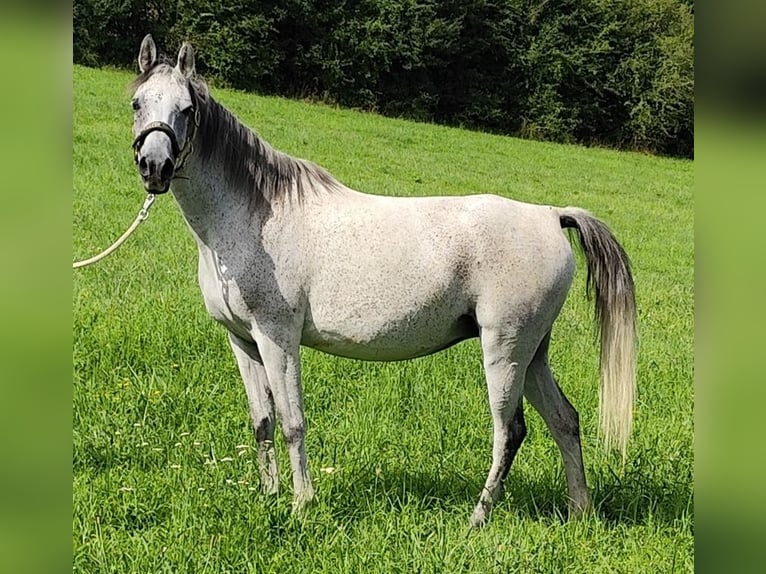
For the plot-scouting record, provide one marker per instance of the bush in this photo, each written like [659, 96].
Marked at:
[110, 31]
[604, 72]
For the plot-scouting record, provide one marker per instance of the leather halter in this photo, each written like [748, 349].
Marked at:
[192, 125]
[156, 127]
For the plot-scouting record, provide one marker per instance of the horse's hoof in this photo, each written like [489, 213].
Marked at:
[579, 511]
[480, 515]
[270, 489]
[301, 503]
[269, 485]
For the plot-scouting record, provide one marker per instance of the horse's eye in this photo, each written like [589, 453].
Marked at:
[135, 105]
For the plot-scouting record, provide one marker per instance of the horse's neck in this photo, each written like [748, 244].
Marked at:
[212, 209]
[209, 200]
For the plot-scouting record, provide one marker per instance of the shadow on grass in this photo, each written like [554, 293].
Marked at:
[638, 496]
[633, 499]
[365, 493]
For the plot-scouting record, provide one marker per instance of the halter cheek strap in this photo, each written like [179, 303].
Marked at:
[192, 125]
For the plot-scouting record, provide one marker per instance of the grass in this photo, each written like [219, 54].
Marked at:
[164, 474]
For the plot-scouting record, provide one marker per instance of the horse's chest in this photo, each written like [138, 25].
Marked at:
[223, 296]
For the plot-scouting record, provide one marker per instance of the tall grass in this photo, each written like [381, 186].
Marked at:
[164, 475]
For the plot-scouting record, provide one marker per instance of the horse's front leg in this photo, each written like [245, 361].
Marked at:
[261, 403]
[283, 369]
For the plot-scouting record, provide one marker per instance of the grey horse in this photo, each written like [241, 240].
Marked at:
[289, 256]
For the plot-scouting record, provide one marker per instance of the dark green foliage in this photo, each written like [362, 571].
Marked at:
[109, 31]
[603, 72]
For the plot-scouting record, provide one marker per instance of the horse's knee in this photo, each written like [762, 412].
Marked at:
[264, 429]
[293, 432]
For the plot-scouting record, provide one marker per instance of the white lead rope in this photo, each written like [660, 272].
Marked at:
[142, 215]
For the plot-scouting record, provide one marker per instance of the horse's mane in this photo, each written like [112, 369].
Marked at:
[249, 163]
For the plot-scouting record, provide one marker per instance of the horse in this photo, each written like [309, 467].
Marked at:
[289, 256]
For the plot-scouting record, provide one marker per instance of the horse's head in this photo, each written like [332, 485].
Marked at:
[166, 114]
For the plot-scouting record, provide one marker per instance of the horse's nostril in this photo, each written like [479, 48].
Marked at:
[167, 170]
[143, 167]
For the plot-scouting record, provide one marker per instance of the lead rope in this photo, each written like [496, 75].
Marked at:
[142, 215]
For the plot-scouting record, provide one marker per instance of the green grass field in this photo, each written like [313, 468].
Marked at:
[164, 474]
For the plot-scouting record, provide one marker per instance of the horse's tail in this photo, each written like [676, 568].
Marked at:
[610, 277]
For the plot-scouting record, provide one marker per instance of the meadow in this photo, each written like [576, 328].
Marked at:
[163, 468]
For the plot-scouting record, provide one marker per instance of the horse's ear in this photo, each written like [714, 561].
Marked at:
[147, 55]
[186, 60]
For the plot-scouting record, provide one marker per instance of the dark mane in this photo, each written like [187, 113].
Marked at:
[253, 165]
[250, 164]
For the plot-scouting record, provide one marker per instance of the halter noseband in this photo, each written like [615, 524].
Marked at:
[179, 153]
[156, 127]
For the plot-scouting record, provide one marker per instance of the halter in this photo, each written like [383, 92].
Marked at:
[179, 153]
[156, 127]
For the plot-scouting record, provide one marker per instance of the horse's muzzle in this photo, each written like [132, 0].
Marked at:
[156, 175]
[156, 169]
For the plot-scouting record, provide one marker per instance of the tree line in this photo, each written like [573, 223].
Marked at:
[616, 73]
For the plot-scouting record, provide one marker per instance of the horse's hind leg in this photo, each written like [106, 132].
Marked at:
[505, 365]
[261, 409]
[545, 395]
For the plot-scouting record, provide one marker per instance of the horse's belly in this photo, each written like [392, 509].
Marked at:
[394, 339]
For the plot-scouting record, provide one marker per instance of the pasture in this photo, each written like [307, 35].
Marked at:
[164, 473]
